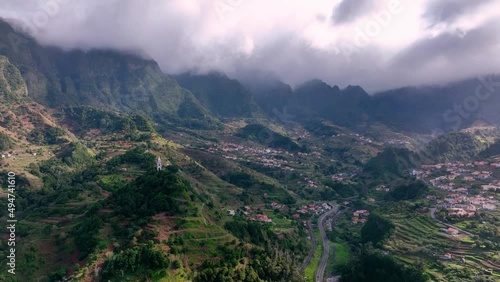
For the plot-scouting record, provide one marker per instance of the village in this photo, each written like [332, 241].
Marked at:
[272, 158]
[267, 157]
[257, 213]
[468, 186]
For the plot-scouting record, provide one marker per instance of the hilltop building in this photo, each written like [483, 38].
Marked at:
[159, 164]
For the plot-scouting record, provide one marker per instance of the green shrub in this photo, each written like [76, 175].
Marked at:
[5, 142]
[141, 260]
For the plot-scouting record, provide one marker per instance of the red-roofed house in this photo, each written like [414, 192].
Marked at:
[452, 231]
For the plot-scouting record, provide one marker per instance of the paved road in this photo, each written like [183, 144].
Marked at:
[433, 215]
[313, 243]
[320, 271]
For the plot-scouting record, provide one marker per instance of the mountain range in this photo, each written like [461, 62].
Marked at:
[249, 165]
[121, 82]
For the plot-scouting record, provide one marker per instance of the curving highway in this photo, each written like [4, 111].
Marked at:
[320, 271]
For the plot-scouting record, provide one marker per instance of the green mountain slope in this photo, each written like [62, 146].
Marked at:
[12, 85]
[104, 79]
[266, 136]
[491, 151]
[225, 97]
[455, 146]
[92, 203]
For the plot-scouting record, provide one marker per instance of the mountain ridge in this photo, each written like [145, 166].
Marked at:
[102, 78]
[112, 80]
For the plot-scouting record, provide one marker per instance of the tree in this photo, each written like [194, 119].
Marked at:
[376, 229]
[5, 142]
[411, 191]
[374, 266]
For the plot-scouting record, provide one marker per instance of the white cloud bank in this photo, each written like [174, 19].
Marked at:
[378, 44]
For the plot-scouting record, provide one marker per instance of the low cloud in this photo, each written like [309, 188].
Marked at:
[349, 10]
[448, 11]
[294, 40]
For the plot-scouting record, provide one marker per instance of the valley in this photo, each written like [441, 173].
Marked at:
[347, 186]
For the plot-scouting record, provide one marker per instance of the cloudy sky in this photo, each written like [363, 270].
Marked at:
[378, 44]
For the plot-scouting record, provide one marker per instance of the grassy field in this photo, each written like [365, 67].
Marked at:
[342, 254]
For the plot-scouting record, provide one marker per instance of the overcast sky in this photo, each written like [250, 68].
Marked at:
[378, 44]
